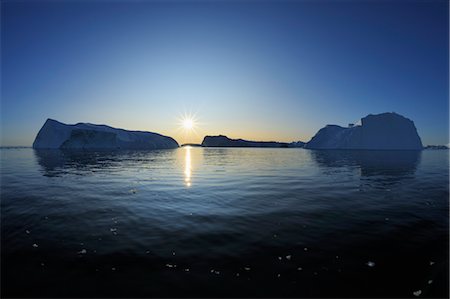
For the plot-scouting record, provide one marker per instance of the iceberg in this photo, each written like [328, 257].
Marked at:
[56, 135]
[224, 141]
[385, 131]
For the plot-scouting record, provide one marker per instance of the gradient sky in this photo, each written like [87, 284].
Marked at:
[260, 70]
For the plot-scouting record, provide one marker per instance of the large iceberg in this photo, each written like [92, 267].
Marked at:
[56, 135]
[385, 131]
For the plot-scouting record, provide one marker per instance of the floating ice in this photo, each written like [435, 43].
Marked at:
[430, 281]
[82, 251]
[370, 264]
[54, 134]
[299, 268]
[113, 268]
[280, 258]
[187, 269]
[247, 268]
[27, 231]
[305, 249]
[35, 245]
[224, 141]
[417, 293]
[431, 263]
[171, 266]
[386, 131]
[279, 275]
[288, 257]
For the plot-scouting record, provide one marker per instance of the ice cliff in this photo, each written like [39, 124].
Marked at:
[56, 135]
[385, 131]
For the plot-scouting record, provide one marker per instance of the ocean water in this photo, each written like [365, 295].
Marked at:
[224, 222]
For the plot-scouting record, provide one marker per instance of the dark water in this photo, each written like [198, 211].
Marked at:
[241, 222]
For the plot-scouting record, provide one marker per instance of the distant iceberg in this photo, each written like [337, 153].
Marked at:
[224, 141]
[56, 135]
[385, 131]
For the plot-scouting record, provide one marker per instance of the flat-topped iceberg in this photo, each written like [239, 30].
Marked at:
[56, 135]
[224, 141]
[385, 131]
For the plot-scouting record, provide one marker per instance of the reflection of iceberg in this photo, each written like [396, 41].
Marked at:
[57, 162]
[371, 163]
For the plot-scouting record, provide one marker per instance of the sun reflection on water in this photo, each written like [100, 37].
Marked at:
[187, 166]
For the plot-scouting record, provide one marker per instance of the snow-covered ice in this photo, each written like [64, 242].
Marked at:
[385, 131]
[57, 135]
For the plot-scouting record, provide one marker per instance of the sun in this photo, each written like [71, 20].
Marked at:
[188, 123]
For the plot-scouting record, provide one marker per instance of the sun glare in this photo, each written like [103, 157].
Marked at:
[188, 123]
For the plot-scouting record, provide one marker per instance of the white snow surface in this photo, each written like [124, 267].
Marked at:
[385, 131]
[56, 135]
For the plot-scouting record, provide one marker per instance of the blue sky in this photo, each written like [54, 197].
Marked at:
[265, 70]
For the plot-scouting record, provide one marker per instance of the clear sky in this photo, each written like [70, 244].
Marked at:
[261, 70]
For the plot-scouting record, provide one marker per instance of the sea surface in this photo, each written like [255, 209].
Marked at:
[224, 222]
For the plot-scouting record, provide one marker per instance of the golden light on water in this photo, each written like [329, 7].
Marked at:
[187, 166]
